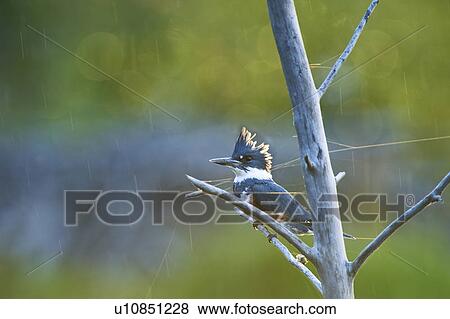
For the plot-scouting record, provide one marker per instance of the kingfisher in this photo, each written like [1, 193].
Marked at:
[252, 165]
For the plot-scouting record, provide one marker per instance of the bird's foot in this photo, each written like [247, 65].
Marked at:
[302, 259]
[256, 224]
[270, 237]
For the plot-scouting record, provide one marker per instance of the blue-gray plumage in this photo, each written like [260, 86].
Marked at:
[276, 201]
[252, 165]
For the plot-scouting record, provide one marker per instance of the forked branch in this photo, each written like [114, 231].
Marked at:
[284, 250]
[266, 233]
[257, 214]
[434, 196]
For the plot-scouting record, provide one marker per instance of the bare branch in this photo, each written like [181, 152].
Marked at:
[194, 194]
[284, 250]
[337, 65]
[198, 192]
[274, 241]
[433, 197]
[258, 215]
[339, 176]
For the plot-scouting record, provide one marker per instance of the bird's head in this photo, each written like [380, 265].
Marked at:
[247, 155]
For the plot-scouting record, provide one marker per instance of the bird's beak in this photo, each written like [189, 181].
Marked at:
[225, 161]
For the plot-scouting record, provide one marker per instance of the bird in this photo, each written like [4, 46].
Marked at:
[252, 164]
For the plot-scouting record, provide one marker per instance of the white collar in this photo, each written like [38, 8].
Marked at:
[252, 172]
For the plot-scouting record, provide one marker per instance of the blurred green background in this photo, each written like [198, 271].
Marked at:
[214, 66]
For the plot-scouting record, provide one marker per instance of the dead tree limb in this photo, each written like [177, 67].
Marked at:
[212, 190]
[433, 197]
[258, 214]
[248, 213]
[348, 49]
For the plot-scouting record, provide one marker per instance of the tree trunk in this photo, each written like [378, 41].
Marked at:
[332, 263]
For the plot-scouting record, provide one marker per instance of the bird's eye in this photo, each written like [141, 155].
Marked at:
[247, 158]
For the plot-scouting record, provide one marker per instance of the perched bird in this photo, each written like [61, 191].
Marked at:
[252, 166]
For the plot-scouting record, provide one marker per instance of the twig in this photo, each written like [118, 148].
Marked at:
[199, 192]
[194, 194]
[258, 215]
[337, 65]
[433, 197]
[339, 176]
[284, 250]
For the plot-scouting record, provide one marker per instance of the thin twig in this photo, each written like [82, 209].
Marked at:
[337, 65]
[339, 176]
[194, 194]
[433, 197]
[258, 215]
[284, 250]
[199, 192]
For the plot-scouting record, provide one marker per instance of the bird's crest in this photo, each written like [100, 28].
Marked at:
[246, 144]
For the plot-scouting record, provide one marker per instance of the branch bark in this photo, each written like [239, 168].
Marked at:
[433, 197]
[348, 49]
[332, 262]
[258, 214]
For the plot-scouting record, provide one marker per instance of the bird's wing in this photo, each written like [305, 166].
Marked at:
[275, 199]
[281, 205]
